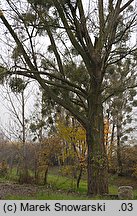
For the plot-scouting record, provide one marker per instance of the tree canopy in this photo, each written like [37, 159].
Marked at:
[69, 49]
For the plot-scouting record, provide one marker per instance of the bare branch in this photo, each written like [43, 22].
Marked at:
[126, 5]
[71, 35]
[63, 102]
[117, 91]
[18, 42]
[69, 84]
[101, 21]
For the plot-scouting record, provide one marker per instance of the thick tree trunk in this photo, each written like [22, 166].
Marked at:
[97, 158]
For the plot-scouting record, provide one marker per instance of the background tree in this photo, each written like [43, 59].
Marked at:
[69, 18]
[43, 117]
[18, 86]
[74, 150]
[120, 105]
[16, 97]
[49, 152]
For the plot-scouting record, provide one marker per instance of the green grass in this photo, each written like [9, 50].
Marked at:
[64, 188]
[49, 196]
[113, 189]
[61, 182]
[10, 176]
[57, 181]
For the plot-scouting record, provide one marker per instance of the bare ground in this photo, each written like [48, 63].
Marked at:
[124, 180]
[14, 189]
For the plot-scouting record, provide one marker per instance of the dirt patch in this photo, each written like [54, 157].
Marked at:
[12, 189]
[123, 180]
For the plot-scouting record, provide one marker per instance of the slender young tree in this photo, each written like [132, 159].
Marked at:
[65, 22]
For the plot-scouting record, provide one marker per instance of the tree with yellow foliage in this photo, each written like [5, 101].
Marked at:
[50, 148]
[75, 148]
